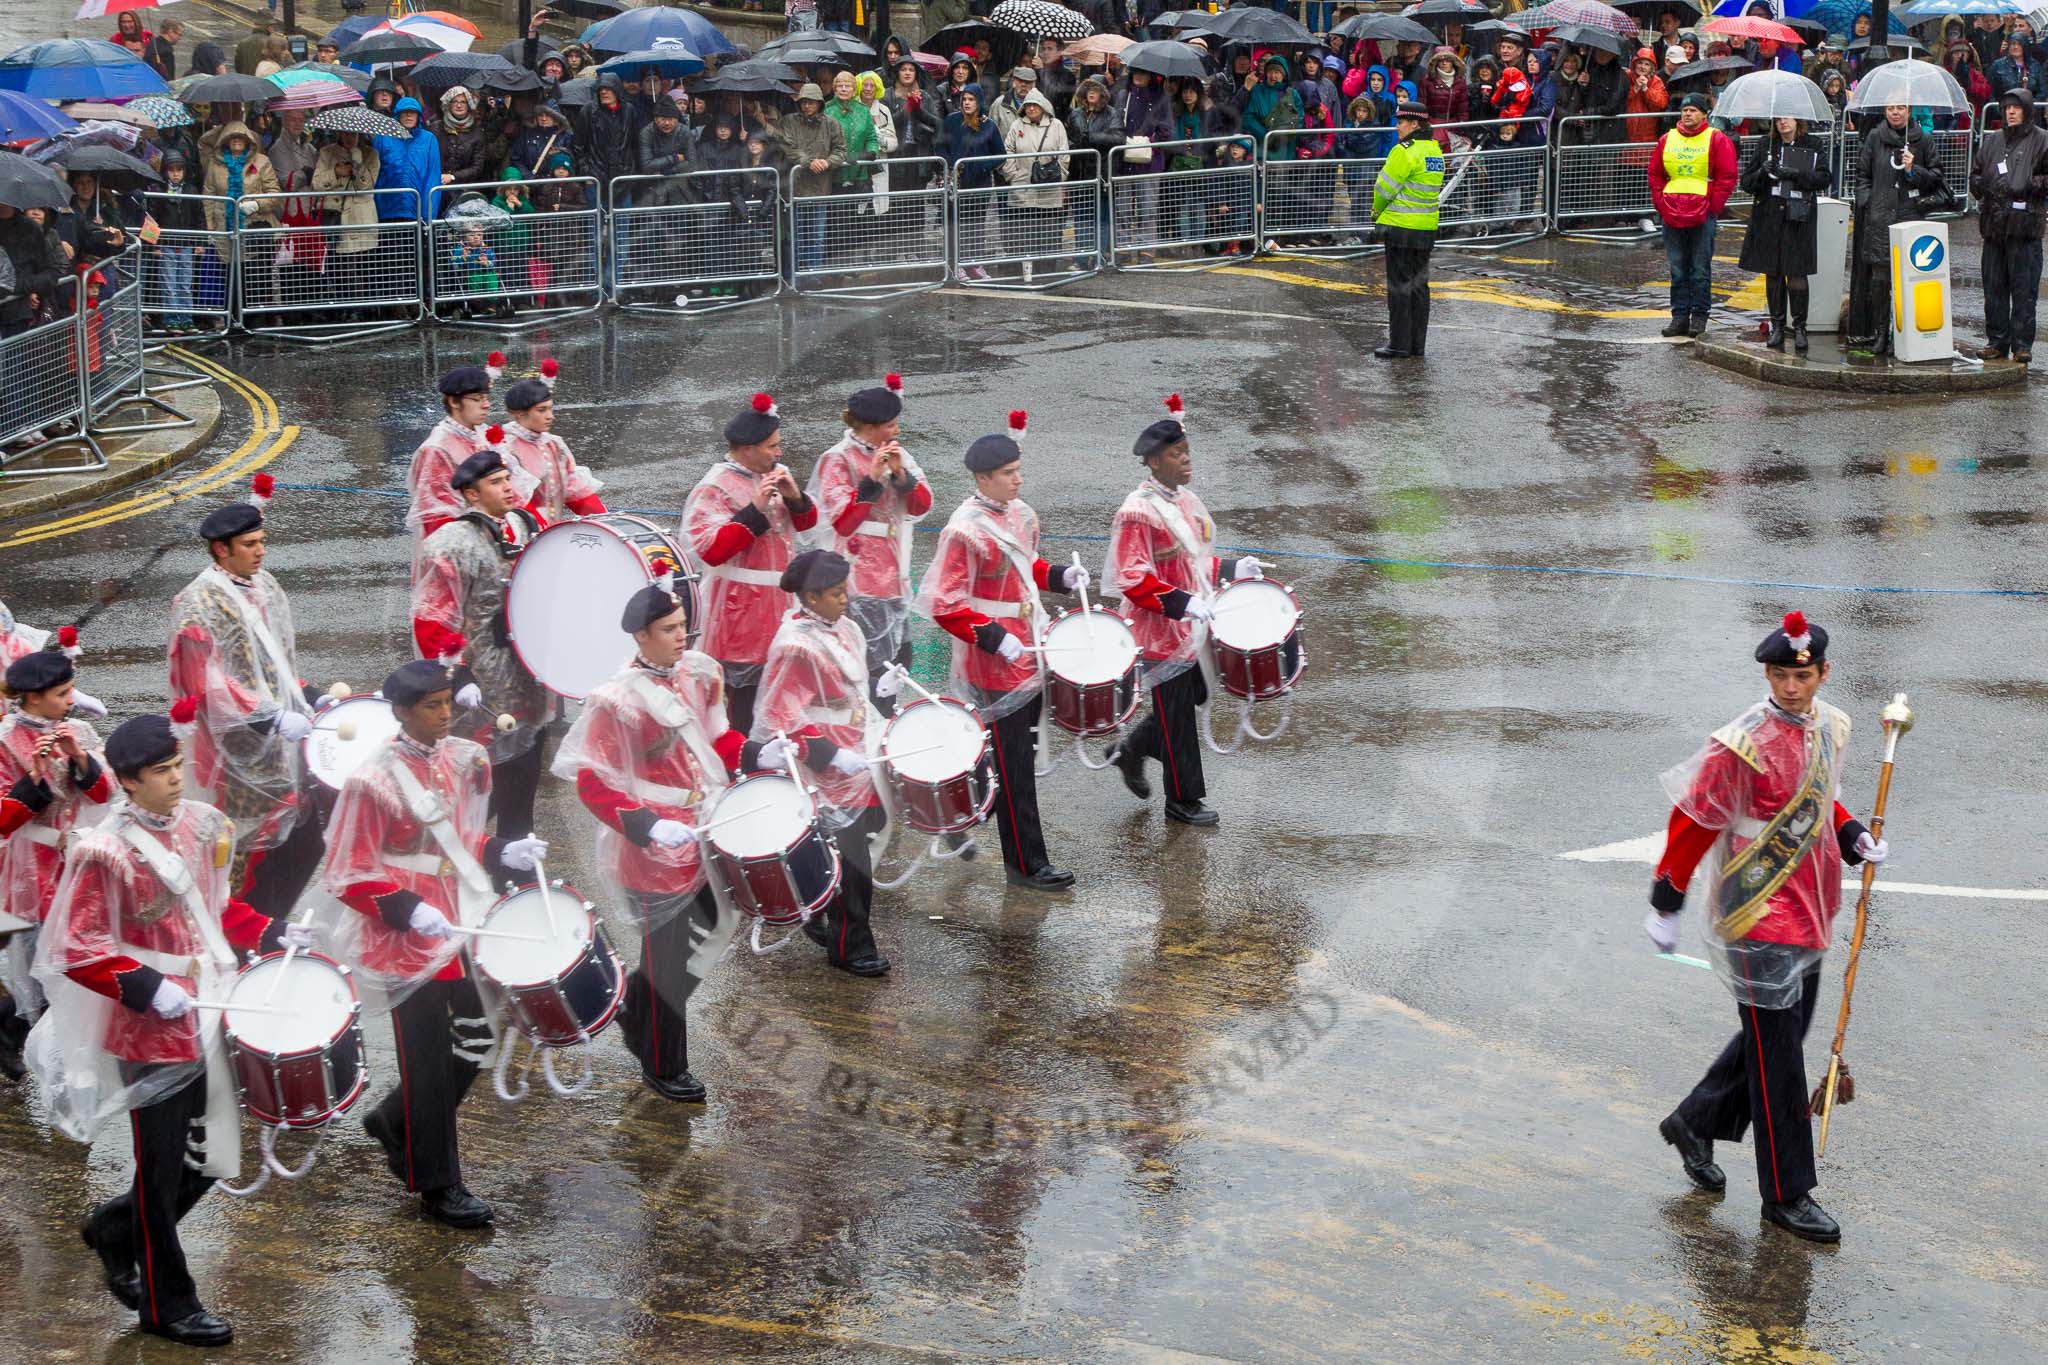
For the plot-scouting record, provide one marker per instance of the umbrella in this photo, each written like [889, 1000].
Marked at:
[112, 165]
[1837, 16]
[1606, 39]
[515, 51]
[1773, 94]
[1497, 29]
[953, 37]
[643, 28]
[762, 68]
[1257, 24]
[931, 63]
[78, 69]
[1098, 49]
[814, 56]
[318, 94]
[1904, 42]
[1166, 57]
[668, 57]
[581, 91]
[23, 118]
[739, 82]
[26, 184]
[385, 48]
[478, 70]
[228, 89]
[1383, 28]
[1706, 66]
[353, 29]
[100, 9]
[1810, 33]
[1040, 19]
[347, 75]
[1920, 84]
[443, 17]
[473, 210]
[354, 118]
[1941, 9]
[1750, 26]
[1437, 13]
[161, 110]
[1646, 11]
[1590, 13]
[446, 37]
[113, 113]
[589, 9]
[822, 39]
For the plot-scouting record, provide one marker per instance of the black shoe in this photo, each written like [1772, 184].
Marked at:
[1191, 813]
[1696, 1152]
[1698, 326]
[394, 1149]
[873, 965]
[1047, 878]
[1673, 328]
[10, 1060]
[1389, 353]
[1799, 337]
[455, 1206]
[683, 1089]
[1131, 764]
[1804, 1218]
[194, 1329]
[1775, 338]
[124, 1282]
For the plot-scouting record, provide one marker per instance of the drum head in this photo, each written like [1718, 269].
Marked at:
[763, 815]
[569, 588]
[1254, 613]
[1091, 648]
[315, 992]
[331, 758]
[539, 955]
[942, 739]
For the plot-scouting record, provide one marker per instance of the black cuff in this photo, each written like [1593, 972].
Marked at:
[272, 937]
[750, 755]
[635, 823]
[1846, 836]
[818, 753]
[867, 490]
[799, 504]
[396, 909]
[1229, 567]
[1173, 604]
[31, 791]
[1665, 898]
[904, 481]
[313, 696]
[86, 778]
[990, 636]
[263, 725]
[138, 987]
[460, 677]
[494, 861]
[753, 518]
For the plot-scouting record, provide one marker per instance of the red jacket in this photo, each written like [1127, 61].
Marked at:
[1689, 210]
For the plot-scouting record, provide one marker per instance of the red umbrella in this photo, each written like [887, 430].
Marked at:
[1751, 26]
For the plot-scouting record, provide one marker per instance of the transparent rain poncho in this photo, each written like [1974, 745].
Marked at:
[742, 600]
[433, 502]
[463, 575]
[1167, 534]
[545, 475]
[983, 563]
[879, 549]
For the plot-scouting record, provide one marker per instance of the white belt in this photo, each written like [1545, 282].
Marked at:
[1746, 827]
[426, 864]
[654, 794]
[166, 963]
[995, 609]
[763, 578]
[44, 835]
[876, 528]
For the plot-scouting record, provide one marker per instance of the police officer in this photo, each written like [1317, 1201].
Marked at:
[1404, 205]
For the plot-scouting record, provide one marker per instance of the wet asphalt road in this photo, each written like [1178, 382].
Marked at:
[1366, 1073]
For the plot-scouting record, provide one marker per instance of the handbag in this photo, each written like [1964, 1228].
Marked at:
[1137, 150]
[1045, 170]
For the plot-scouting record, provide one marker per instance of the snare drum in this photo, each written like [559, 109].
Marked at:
[297, 1047]
[768, 849]
[1091, 666]
[329, 757]
[940, 766]
[1257, 635]
[561, 980]
[569, 587]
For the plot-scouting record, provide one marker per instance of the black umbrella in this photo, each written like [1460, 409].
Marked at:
[770, 69]
[1256, 24]
[1648, 10]
[229, 89]
[478, 70]
[388, 48]
[819, 40]
[1181, 18]
[1586, 35]
[1435, 14]
[1813, 30]
[26, 184]
[515, 51]
[576, 93]
[112, 165]
[1495, 28]
[589, 9]
[1165, 57]
[1898, 42]
[1380, 28]
[739, 83]
[358, 81]
[953, 37]
[1708, 65]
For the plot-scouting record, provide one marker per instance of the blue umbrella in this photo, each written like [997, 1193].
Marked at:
[643, 28]
[1941, 9]
[354, 27]
[22, 118]
[78, 69]
[669, 58]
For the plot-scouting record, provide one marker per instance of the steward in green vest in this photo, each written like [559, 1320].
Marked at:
[1404, 205]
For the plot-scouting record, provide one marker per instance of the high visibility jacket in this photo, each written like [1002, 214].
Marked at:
[1406, 193]
[1686, 161]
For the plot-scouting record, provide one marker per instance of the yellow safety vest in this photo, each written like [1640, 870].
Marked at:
[1687, 160]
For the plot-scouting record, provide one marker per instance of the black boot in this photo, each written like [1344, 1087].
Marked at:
[1694, 1152]
[194, 1329]
[1804, 1218]
[455, 1206]
[683, 1089]
[1675, 327]
[124, 1282]
[1774, 294]
[1797, 300]
[1131, 764]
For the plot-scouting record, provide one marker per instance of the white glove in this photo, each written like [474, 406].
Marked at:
[1662, 929]
[300, 936]
[671, 833]
[1248, 567]
[292, 727]
[521, 854]
[1011, 649]
[1078, 578]
[1872, 850]
[88, 705]
[774, 754]
[848, 762]
[469, 696]
[170, 1001]
[428, 922]
[889, 684]
[1197, 610]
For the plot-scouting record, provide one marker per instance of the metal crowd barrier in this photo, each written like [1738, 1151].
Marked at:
[1145, 205]
[1953, 150]
[1316, 206]
[45, 388]
[1602, 180]
[1026, 234]
[696, 243]
[190, 272]
[867, 244]
[320, 284]
[115, 372]
[1496, 183]
[504, 269]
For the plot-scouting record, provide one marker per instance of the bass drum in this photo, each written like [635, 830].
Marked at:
[569, 587]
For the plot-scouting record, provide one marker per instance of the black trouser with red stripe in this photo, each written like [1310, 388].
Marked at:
[1017, 802]
[1168, 734]
[1760, 1079]
[141, 1225]
[443, 1036]
[514, 784]
[844, 923]
[280, 874]
[651, 1018]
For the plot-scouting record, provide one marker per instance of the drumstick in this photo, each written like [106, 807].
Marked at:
[900, 671]
[291, 950]
[494, 933]
[789, 761]
[1087, 612]
[547, 901]
[243, 1007]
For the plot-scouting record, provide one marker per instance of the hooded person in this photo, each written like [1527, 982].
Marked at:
[548, 133]
[545, 475]
[238, 174]
[2009, 181]
[465, 393]
[410, 161]
[1443, 87]
[460, 133]
[607, 133]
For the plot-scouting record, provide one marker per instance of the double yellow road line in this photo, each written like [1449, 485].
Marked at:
[268, 439]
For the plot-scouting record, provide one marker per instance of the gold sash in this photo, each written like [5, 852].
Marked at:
[1753, 876]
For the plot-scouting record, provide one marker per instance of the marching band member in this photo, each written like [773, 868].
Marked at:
[465, 405]
[18, 638]
[814, 707]
[406, 852]
[869, 491]
[545, 475]
[1759, 835]
[141, 928]
[233, 648]
[650, 747]
[458, 619]
[1162, 559]
[982, 589]
[741, 519]
[49, 767]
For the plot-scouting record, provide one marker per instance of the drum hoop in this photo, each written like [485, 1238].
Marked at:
[352, 1021]
[592, 523]
[568, 900]
[954, 703]
[1293, 630]
[306, 744]
[1052, 671]
[809, 830]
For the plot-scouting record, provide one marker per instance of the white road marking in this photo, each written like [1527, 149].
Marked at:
[1647, 849]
